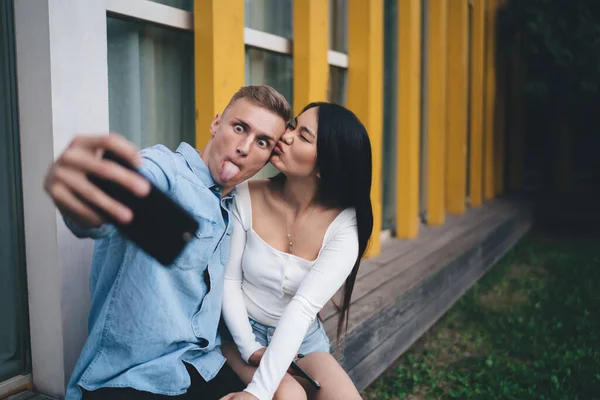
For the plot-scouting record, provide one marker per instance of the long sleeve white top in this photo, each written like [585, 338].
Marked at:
[280, 290]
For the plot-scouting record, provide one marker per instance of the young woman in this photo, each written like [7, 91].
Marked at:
[298, 238]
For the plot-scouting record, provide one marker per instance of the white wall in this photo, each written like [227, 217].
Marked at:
[63, 90]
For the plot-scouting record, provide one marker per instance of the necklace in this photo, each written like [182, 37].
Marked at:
[289, 234]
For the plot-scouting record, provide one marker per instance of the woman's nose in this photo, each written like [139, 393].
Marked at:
[288, 137]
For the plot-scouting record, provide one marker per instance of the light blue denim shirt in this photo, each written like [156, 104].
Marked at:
[146, 319]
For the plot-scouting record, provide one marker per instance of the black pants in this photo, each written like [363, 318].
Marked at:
[224, 383]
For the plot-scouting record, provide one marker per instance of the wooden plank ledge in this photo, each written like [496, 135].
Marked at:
[404, 290]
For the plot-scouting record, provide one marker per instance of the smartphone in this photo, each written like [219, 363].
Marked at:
[160, 226]
[305, 374]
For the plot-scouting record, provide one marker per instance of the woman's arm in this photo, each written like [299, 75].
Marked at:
[235, 313]
[325, 278]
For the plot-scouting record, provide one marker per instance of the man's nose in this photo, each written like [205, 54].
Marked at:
[243, 146]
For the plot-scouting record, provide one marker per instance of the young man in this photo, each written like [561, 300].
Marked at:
[153, 329]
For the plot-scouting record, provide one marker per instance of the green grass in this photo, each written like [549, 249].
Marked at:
[530, 329]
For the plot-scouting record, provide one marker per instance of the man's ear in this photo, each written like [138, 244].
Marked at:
[214, 125]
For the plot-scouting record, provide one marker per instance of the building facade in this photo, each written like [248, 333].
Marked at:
[420, 74]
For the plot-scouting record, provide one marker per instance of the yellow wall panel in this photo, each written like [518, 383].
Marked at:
[489, 188]
[436, 141]
[365, 89]
[218, 59]
[477, 103]
[311, 44]
[457, 103]
[409, 115]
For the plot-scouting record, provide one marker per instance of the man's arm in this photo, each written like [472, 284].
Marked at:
[72, 192]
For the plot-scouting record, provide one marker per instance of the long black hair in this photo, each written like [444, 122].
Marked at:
[345, 167]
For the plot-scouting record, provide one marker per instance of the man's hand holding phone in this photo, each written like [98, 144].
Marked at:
[96, 181]
[77, 198]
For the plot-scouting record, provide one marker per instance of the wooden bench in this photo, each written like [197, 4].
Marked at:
[403, 291]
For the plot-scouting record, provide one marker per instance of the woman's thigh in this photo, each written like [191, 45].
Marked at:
[335, 382]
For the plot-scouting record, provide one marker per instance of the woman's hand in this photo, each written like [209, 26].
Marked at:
[258, 355]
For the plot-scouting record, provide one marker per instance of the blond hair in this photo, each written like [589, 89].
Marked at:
[266, 97]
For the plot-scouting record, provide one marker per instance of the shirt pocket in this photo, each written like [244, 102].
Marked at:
[198, 251]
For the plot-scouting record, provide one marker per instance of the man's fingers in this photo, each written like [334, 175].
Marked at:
[73, 208]
[80, 160]
[114, 143]
[78, 184]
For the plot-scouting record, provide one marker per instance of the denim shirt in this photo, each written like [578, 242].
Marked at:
[146, 319]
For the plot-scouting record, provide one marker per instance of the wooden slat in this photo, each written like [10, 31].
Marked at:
[365, 90]
[436, 110]
[409, 118]
[457, 104]
[311, 70]
[477, 109]
[451, 285]
[489, 188]
[218, 59]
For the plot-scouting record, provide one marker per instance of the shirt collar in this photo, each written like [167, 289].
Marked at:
[200, 169]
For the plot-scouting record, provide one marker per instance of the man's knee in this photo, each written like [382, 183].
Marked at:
[290, 389]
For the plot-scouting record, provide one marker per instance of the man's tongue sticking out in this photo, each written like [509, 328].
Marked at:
[229, 171]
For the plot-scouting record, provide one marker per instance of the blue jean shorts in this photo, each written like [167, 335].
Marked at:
[316, 340]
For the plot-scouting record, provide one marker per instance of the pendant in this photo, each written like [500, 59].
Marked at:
[291, 242]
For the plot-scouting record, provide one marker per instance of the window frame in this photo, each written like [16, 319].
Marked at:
[149, 11]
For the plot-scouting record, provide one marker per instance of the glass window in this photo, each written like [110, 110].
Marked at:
[187, 5]
[338, 25]
[151, 83]
[271, 16]
[390, 113]
[276, 70]
[337, 85]
[14, 331]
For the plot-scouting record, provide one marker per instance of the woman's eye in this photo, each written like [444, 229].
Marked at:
[262, 143]
[238, 128]
[305, 139]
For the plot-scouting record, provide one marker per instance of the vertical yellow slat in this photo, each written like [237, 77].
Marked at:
[311, 43]
[489, 188]
[218, 59]
[365, 86]
[456, 158]
[477, 101]
[409, 114]
[436, 146]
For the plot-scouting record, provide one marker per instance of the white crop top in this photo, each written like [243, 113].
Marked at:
[280, 290]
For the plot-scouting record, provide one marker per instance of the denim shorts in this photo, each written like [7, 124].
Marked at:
[316, 340]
